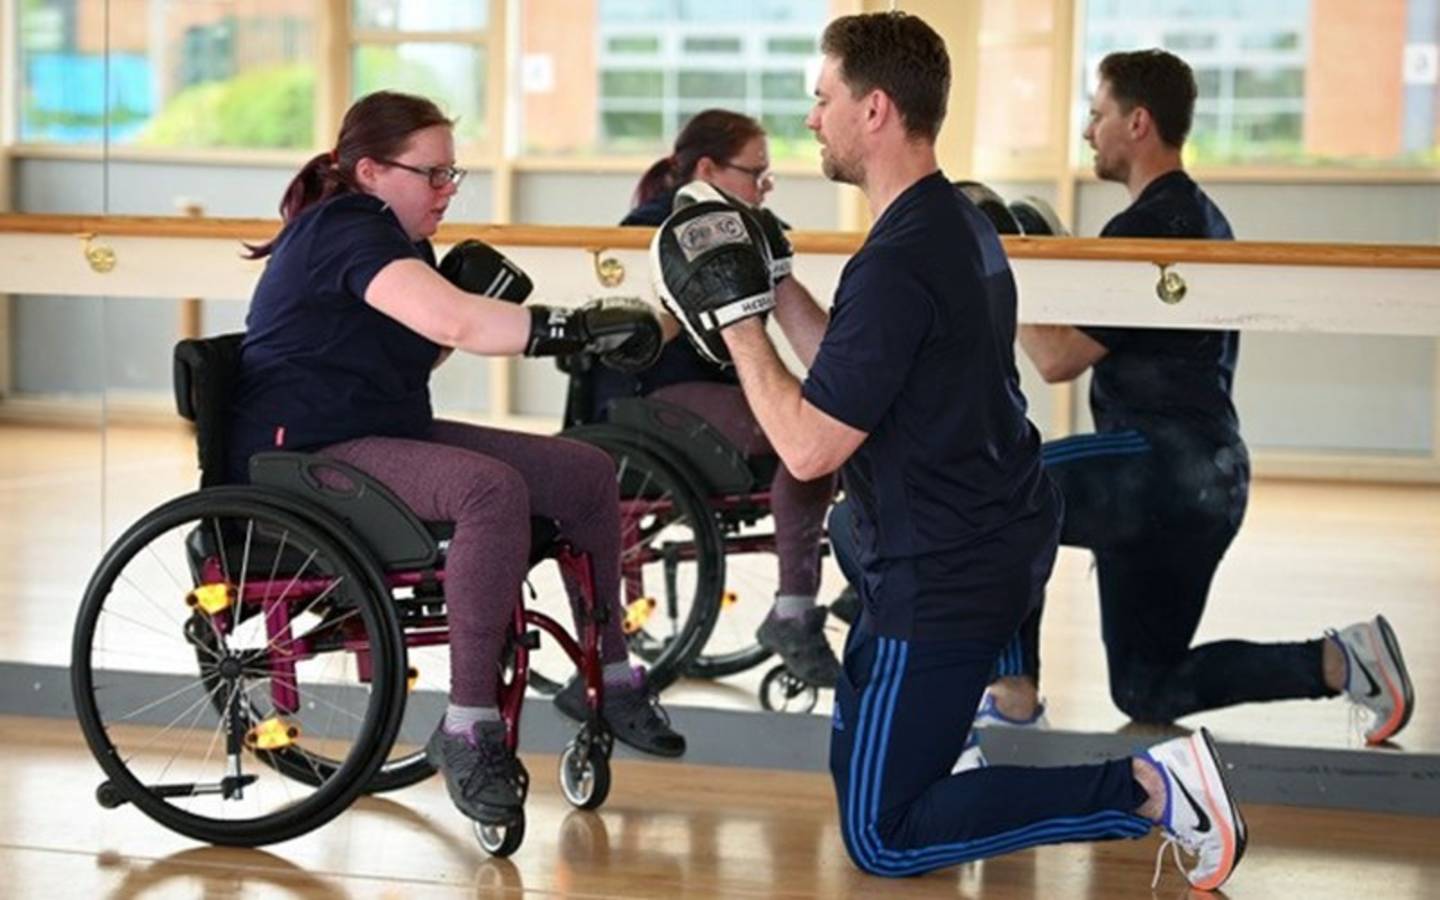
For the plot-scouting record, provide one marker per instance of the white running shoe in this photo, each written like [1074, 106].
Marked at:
[971, 756]
[1200, 816]
[988, 715]
[1375, 676]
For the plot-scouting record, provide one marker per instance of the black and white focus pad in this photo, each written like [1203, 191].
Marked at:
[703, 192]
[711, 267]
[781, 253]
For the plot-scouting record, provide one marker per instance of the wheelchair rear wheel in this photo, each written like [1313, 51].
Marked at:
[672, 561]
[751, 580]
[230, 628]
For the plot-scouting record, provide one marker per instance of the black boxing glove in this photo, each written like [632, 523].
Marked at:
[991, 204]
[1036, 217]
[478, 268]
[623, 332]
[782, 254]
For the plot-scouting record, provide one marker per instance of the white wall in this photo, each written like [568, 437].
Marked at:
[1294, 390]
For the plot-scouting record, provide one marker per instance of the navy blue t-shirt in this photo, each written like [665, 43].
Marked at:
[956, 521]
[319, 365]
[1171, 383]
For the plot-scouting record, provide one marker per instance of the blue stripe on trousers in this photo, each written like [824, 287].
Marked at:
[1089, 445]
[867, 766]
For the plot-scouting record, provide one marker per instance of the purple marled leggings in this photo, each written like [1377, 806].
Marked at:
[489, 482]
[798, 506]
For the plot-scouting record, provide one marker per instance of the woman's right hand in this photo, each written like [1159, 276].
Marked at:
[624, 332]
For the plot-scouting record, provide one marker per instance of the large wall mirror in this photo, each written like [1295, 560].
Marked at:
[1317, 120]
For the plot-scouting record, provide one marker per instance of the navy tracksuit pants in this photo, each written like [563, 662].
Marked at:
[902, 711]
[1155, 556]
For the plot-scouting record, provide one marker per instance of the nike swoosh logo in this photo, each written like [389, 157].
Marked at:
[1204, 821]
[1370, 679]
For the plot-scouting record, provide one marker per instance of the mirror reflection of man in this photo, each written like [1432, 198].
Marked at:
[1158, 492]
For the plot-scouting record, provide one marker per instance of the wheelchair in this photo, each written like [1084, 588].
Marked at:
[244, 662]
[668, 458]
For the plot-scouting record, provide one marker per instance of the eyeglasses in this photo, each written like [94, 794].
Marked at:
[437, 176]
[762, 175]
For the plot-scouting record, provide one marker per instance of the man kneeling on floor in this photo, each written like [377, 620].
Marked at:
[913, 394]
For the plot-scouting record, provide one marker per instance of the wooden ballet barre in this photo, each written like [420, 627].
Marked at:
[1159, 252]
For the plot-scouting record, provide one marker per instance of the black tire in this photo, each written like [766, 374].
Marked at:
[783, 691]
[752, 579]
[501, 840]
[731, 647]
[585, 775]
[670, 545]
[123, 645]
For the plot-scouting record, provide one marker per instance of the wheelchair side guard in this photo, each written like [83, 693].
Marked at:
[717, 462]
[394, 534]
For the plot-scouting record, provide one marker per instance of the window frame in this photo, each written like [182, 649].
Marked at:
[335, 40]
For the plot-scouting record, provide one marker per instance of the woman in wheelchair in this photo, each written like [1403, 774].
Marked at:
[345, 326]
[729, 150]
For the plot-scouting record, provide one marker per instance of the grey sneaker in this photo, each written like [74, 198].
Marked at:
[1375, 676]
[485, 780]
[632, 712]
[802, 646]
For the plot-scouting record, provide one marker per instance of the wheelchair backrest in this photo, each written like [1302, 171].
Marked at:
[204, 375]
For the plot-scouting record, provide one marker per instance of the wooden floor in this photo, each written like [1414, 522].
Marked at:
[668, 830]
[1310, 556]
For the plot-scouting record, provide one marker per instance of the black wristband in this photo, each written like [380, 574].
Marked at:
[552, 332]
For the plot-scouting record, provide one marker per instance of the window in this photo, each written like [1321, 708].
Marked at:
[197, 74]
[1016, 124]
[1289, 82]
[621, 77]
[436, 48]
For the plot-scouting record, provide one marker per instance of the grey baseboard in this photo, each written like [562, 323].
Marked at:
[1362, 779]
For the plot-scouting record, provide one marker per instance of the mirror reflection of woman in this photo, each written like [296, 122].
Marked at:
[730, 151]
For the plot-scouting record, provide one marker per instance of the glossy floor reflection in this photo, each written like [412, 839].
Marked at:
[669, 830]
[1310, 556]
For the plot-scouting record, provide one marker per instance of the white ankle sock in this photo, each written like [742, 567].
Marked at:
[460, 719]
[619, 674]
[793, 606]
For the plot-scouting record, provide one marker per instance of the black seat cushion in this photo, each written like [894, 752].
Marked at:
[544, 532]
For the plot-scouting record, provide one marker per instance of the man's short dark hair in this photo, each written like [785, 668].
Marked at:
[1159, 81]
[899, 54]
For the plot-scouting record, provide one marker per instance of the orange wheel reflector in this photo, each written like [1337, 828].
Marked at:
[211, 598]
[637, 613]
[272, 734]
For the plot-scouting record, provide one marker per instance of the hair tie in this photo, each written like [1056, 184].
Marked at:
[334, 157]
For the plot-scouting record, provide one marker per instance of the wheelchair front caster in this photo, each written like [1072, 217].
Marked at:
[585, 773]
[783, 691]
[501, 840]
[109, 796]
